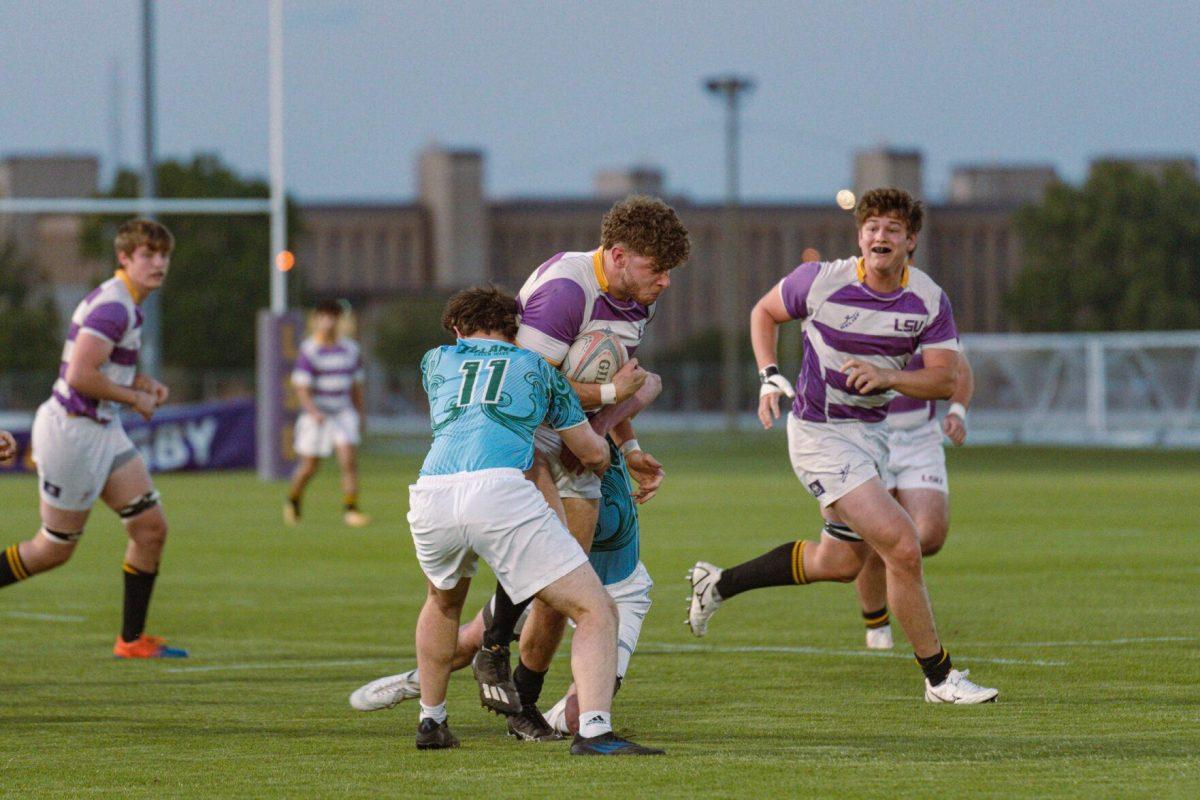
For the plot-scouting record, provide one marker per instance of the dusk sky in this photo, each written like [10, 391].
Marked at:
[553, 91]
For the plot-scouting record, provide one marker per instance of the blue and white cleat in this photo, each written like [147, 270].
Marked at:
[609, 744]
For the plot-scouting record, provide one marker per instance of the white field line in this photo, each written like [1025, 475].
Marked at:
[45, 617]
[1086, 642]
[345, 662]
[664, 647]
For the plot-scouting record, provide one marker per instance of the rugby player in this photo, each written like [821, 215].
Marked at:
[614, 555]
[863, 319]
[486, 399]
[613, 288]
[328, 377]
[916, 475]
[82, 451]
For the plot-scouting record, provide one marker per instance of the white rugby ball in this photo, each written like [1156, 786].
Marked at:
[594, 357]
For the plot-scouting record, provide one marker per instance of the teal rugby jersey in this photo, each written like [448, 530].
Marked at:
[486, 398]
[615, 550]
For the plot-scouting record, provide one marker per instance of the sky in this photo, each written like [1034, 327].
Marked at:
[554, 91]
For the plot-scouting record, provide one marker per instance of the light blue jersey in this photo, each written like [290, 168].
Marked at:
[486, 399]
[615, 550]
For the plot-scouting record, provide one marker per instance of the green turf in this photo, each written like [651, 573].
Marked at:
[1080, 568]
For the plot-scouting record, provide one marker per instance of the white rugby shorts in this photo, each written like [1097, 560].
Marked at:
[76, 455]
[916, 459]
[632, 596]
[494, 514]
[833, 458]
[317, 439]
[585, 486]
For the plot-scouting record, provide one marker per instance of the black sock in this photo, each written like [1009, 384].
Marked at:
[12, 568]
[529, 684]
[876, 619]
[138, 588]
[505, 614]
[936, 667]
[783, 566]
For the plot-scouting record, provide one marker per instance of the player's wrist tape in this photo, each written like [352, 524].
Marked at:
[766, 372]
[628, 446]
[608, 393]
[959, 410]
[774, 383]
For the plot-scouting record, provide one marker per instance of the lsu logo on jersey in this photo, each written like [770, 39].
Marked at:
[908, 325]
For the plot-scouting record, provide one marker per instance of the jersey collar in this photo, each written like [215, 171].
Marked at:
[862, 273]
[598, 266]
[124, 276]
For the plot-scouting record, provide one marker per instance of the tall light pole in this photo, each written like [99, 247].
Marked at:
[730, 88]
[151, 355]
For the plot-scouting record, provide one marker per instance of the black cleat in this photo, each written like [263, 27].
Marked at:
[493, 673]
[609, 744]
[529, 725]
[435, 735]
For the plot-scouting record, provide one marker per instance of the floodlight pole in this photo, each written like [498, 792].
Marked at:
[278, 208]
[730, 89]
[151, 350]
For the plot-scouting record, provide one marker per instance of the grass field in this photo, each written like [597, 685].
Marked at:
[1070, 581]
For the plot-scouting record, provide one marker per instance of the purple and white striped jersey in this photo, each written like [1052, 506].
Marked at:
[109, 312]
[843, 319]
[568, 296]
[904, 412]
[329, 371]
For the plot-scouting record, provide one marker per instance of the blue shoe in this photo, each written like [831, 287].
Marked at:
[609, 744]
[146, 646]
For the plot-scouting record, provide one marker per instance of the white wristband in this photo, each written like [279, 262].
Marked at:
[628, 446]
[959, 410]
[608, 393]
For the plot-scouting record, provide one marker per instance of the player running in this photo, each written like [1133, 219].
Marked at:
[612, 288]
[863, 319]
[916, 475]
[82, 451]
[614, 555]
[486, 399]
[328, 377]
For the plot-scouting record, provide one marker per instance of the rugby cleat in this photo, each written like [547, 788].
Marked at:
[530, 726]
[291, 512]
[609, 744]
[146, 646]
[356, 519]
[435, 735]
[493, 673]
[958, 690]
[386, 692]
[880, 638]
[704, 600]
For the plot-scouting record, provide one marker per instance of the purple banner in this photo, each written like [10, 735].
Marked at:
[196, 436]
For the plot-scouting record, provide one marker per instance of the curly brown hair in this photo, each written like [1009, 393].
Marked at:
[648, 227]
[891, 203]
[481, 309]
[137, 232]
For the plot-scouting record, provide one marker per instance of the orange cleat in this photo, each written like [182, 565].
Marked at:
[146, 646]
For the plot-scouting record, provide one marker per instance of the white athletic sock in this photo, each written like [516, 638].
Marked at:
[594, 723]
[436, 713]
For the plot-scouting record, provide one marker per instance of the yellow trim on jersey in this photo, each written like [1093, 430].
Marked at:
[862, 273]
[124, 276]
[598, 265]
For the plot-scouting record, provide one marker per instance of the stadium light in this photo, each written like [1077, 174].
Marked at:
[730, 88]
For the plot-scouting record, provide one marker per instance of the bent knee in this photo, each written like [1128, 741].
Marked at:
[148, 528]
[934, 543]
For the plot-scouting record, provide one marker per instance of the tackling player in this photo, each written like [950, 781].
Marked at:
[486, 399]
[82, 451]
[612, 288]
[863, 319]
[916, 475]
[328, 377]
[614, 555]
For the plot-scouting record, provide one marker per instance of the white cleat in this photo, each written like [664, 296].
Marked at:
[880, 638]
[957, 689]
[386, 692]
[704, 600]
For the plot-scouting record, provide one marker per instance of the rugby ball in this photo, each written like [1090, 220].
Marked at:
[594, 357]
